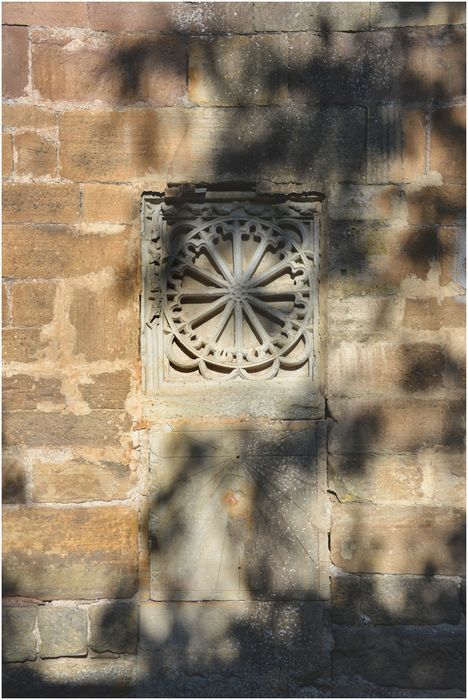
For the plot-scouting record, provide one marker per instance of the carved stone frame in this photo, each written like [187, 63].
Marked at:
[289, 398]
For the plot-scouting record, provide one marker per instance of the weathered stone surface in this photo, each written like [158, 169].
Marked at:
[377, 66]
[81, 553]
[13, 480]
[32, 303]
[410, 600]
[361, 318]
[231, 648]
[107, 390]
[7, 155]
[19, 116]
[63, 631]
[70, 678]
[104, 68]
[239, 70]
[366, 369]
[245, 548]
[310, 16]
[394, 426]
[197, 18]
[346, 599]
[214, 144]
[113, 627]
[76, 481]
[397, 540]
[408, 657]
[436, 205]
[396, 144]
[373, 202]
[453, 312]
[421, 14]
[377, 479]
[448, 143]
[37, 154]
[51, 252]
[19, 640]
[106, 322]
[5, 304]
[22, 393]
[15, 68]
[111, 203]
[47, 14]
[35, 429]
[40, 203]
[21, 344]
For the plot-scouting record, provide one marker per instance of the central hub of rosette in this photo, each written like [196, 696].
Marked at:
[238, 291]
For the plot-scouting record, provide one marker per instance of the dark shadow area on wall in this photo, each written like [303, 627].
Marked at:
[282, 647]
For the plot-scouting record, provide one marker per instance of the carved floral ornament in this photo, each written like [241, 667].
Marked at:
[234, 288]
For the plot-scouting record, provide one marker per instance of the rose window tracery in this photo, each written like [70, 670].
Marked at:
[236, 292]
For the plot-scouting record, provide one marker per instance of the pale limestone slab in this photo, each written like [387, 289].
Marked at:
[238, 514]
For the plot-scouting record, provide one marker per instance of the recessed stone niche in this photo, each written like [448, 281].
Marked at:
[230, 341]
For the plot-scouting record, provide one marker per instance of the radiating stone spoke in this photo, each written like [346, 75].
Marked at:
[238, 327]
[202, 293]
[219, 262]
[269, 311]
[252, 317]
[256, 259]
[207, 313]
[226, 315]
[269, 275]
[206, 275]
[237, 255]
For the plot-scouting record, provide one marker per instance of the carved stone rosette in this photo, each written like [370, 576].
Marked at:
[235, 288]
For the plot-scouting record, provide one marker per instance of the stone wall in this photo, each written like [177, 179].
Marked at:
[360, 102]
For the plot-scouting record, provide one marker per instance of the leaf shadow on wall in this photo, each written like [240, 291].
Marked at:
[193, 652]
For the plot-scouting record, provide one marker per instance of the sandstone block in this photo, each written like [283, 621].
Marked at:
[40, 203]
[239, 70]
[51, 252]
[7, 155]
[37, 154]
[32, 303]
[106, 323]
[410, 600]
[200, 144]
[396, 144]
[76, 481]
[81, 553]
[403, 425]
[448, 143]
[345, 599]
[113, 145]
[5, 304]
[47, 14]
[104, 69]
[69, 677]
[18, 116]
[436, 205]
[63, 631]
[108, 390]
[423, 14]
[453, 312]
[378, 479]
[310, 16]
[452, 260]
[21, 344]
[373, 202]
[13, 480]
[433, 65]
[19, 641]
[422, 314]
[397, 540]
[32, 428]
[360, 369]
[113, 627]
[409, 657]
[15, 68]
[357, 318]
[111, 203]
[208, 17]
[22, 393]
